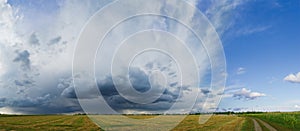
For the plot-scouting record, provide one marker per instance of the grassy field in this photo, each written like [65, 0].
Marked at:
[248, 125]
[215, 123]
[280, 121]
[47, 122]
[81, 122]
[191, 122]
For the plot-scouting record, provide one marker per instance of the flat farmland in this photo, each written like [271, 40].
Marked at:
[282, 121]
[81, 122]
[215, 123]
[47, 122]
[249, 122]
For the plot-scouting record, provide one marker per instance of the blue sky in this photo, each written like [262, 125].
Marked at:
[268, 54]
[260, 39]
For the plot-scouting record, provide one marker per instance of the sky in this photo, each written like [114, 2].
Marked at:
[259, 39]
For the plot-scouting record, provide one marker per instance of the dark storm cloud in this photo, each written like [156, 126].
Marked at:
[119, 104]
[23, 59]
[139, 81]
[53, 100]
[63, 99]
[26, 102]
[149, 65]
[68, 88]
[52, 106]
[46, 104]
[171, 73]
[24, 83]
[205, 91]
[33, 39]
[18, 83]
[173, 84]
[55, 40]
[2, 102]
[69, 93]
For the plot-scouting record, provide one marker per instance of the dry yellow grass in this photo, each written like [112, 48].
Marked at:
[66, 122]
[46, 122]
[215, 123]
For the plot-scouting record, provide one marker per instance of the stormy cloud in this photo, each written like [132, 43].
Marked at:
[36, 55]
[23, 59]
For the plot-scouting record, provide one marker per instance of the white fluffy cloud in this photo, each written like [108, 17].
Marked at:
[293, 78]
[246, 94]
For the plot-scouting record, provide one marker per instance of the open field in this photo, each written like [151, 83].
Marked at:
[280, 121]
[215, 123]
[245, 122]
[47, 122]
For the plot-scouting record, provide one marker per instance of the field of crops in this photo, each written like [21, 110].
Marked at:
[81, 122]
[280, 121]
[191, 122]
[215, 123]
[47, 122]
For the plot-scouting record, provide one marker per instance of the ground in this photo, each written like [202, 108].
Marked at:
[248, 122]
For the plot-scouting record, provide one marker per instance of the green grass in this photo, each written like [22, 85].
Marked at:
[281, 121]
[248, 125]
[262, 126]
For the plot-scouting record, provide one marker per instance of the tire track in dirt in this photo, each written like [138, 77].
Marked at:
[257, 127]
[267, 125]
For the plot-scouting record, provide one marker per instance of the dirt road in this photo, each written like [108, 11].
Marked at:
[267, 125]
[257, 126]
